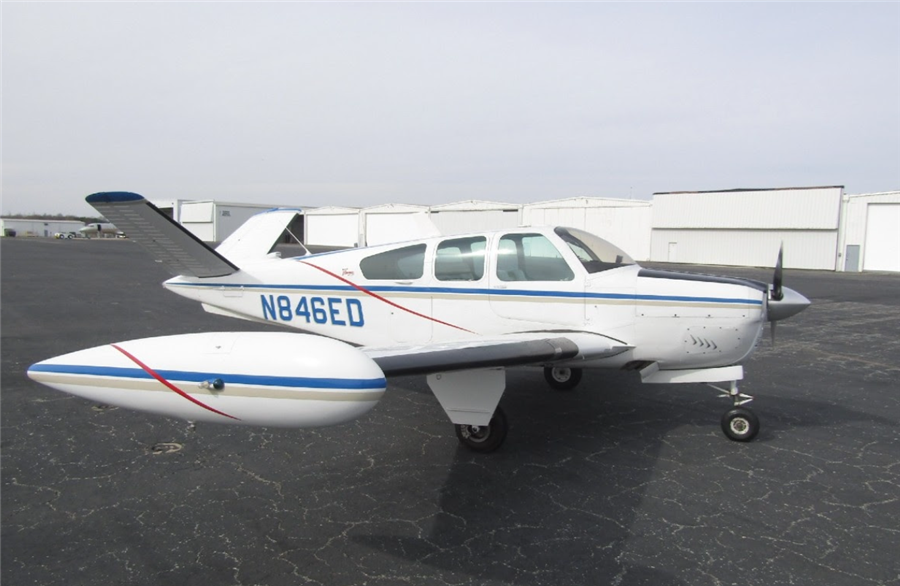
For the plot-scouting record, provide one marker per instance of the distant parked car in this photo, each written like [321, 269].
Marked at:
[65, 235]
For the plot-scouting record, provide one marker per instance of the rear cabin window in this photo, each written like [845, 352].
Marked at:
[460, 259]
[530, 257]
[395, 265]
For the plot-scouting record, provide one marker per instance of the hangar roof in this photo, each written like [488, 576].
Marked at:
[475, 205]
[590, 202]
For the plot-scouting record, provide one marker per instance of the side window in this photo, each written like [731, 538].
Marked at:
[398, 264]
[530, 257]
[460, 259]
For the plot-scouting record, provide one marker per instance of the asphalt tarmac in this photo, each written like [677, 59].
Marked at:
[615, 483]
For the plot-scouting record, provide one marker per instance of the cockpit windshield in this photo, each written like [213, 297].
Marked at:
[595, 253]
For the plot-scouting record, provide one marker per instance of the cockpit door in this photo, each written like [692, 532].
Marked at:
[531, 281]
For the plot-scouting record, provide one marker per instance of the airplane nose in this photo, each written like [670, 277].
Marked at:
[790, 304]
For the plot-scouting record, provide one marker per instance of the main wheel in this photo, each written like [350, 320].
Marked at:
[562, 379]
[740, 424]
[484, 438]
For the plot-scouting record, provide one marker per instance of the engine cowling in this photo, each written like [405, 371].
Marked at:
[274, 379]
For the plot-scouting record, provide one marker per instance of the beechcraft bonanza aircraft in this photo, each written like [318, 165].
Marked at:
[460, 309]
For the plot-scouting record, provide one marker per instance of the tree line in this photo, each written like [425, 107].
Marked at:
[52, 217]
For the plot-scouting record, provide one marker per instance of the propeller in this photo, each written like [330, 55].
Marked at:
[783, 302]
[777, 293]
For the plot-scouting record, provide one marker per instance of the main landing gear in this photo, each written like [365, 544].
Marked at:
[562, 379]
[484, 438]
[739, 423]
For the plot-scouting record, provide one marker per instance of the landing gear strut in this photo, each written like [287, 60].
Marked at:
[484, 438]
[739, 423]
[562, 379]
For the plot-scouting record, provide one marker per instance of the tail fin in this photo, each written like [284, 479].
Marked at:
[169, 243]
[258, 236]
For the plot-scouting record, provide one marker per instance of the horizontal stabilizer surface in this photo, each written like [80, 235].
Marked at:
[167, 241]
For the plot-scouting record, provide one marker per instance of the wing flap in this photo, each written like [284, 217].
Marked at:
[166, 240]
[505, 351]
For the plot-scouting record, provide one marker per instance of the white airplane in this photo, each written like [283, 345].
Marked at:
[99, 229]
[460, 309]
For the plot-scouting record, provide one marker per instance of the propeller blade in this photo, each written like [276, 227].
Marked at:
[777, 293]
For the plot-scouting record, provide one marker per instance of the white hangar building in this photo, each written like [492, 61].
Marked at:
[474, 216]
[871, 232]
[745, 227]
[624, 222]
[381, 224]
[332, 226]
[214, 221]
[337, 226]
[821, 227]
[37, 227]
[394, 222]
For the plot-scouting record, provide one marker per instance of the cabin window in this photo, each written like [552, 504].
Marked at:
[460, 259]
[530, 257]
[396, 265]
[595, 253]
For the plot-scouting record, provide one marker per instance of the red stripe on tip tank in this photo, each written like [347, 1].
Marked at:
[169, 385]
[380, 298]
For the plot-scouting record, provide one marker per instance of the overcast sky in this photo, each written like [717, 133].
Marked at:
[365, 103]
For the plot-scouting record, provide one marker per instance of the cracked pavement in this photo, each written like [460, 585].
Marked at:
[614, 483]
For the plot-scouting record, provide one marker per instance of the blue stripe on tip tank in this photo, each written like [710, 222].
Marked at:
[198, 377]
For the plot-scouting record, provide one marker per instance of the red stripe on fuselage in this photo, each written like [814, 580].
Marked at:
[169, 385]
[380, 298]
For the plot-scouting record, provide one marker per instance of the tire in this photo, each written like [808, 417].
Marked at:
[740, 424]
[562, 379]
[484, 439]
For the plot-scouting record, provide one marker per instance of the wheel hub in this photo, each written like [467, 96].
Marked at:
[476, 433]
[739, 425]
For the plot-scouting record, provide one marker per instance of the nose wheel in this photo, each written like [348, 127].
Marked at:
[484, 438]
[738, 423]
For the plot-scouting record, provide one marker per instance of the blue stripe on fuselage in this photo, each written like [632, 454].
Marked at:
[198, 377]
[472, 291]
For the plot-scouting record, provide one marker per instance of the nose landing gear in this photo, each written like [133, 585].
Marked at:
[738, 423]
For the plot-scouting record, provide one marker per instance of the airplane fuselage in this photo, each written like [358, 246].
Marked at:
[465, 287]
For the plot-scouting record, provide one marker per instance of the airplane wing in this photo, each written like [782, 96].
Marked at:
[533, 348]
[170, 244]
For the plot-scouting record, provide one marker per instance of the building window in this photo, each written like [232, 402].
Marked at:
[397, 265]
